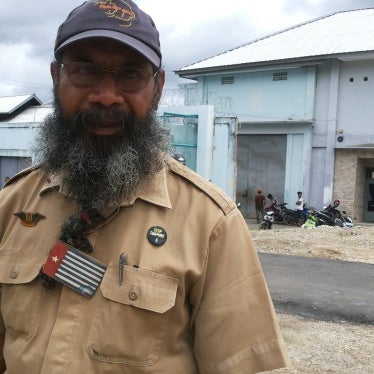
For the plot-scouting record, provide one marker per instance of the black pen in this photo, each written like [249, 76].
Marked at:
[122, 263]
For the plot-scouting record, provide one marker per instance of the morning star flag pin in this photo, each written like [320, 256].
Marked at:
[74, 269]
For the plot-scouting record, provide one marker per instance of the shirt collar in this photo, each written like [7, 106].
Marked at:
[155, 192]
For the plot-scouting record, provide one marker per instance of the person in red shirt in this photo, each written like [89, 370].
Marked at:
[260, 201]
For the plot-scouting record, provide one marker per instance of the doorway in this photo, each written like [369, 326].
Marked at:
[369, 196]
[261, 161]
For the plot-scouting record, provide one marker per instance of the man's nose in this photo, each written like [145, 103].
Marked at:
[106, 91]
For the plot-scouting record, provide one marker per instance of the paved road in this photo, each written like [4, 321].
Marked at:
[323, 289]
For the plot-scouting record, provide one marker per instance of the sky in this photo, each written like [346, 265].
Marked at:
[189, 32]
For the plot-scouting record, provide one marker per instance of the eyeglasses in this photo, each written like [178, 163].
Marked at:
[127, 78]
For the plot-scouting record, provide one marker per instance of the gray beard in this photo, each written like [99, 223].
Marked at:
[99, 171]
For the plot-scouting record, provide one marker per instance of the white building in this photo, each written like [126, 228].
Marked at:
[20, 116]
[304, 101]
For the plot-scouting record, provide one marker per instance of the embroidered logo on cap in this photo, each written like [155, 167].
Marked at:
[120, 10]
[29, 219]
[157, 235]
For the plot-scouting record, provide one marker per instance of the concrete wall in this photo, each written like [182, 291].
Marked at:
[255, 96]
[356, 93]
[343, 109]
[224, 163]
[16, 139]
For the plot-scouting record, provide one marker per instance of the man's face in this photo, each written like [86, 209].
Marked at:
[102, 140]
[109, 55]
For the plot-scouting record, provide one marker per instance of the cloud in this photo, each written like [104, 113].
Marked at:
[20, 64]
[28, 30]
[189, 32]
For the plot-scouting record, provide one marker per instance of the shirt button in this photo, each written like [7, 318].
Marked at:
[133, 294]
[14, 274]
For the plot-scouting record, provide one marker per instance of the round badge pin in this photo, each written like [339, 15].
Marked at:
[157, 235]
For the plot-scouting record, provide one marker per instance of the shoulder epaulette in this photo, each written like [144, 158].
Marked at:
[216, 194]
[21, 174]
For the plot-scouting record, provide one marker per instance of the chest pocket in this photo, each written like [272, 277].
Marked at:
[21, 291]
[130, 324]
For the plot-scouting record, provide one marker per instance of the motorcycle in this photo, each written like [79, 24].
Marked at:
[324, 218]
[282, 214]
[290, 216]
[267, 221]
[274, 208]
[331, 216]
[347, 221]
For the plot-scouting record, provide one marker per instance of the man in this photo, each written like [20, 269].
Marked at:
[260, 201]
[114, 257]
[300, 205]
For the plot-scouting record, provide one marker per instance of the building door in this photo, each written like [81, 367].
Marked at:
[369, 199]
[261, 161]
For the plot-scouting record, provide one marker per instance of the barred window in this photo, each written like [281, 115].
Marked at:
[281, 76]
[227, 80]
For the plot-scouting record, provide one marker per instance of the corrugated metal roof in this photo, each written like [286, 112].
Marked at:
[32, 114]
[339, 33]
[9, 104]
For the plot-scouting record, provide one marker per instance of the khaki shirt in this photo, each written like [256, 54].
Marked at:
[196, 304]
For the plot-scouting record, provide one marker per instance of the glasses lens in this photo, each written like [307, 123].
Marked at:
[131, 79]
[83, 73]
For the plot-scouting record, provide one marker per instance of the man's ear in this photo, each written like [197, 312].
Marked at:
[159, 84]
[54, 70]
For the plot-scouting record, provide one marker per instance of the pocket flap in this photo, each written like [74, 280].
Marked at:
[140, 288]
[20, 267]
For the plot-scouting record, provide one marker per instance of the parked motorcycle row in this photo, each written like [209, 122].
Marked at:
[279, 213]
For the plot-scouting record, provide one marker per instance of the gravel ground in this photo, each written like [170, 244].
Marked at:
[347, 244]
[323, 347]
[317, 346]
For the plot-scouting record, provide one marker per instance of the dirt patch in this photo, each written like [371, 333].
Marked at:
[347, 244]
[317, 346]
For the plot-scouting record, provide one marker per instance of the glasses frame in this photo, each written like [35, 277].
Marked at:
[100, 77]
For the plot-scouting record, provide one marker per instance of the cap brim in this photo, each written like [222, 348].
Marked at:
[127, 40]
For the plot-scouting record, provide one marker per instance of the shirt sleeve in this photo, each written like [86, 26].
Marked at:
[235, 328]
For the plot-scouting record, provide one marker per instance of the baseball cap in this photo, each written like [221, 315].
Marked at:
[120, 20]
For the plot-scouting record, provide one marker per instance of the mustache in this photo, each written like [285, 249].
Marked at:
[99, 117]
